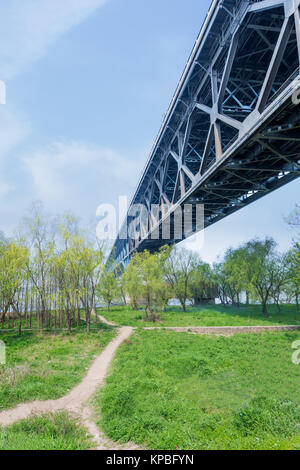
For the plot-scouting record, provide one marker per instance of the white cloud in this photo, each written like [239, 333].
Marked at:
[13, 132]
[5, 188]
[78, 176]
[29, 27]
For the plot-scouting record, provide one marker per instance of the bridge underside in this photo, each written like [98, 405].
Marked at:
[231, 134]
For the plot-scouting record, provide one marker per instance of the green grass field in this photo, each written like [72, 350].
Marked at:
[55, 431]
[165, 390]
[47, 366]
[172, 390]
[210, 315]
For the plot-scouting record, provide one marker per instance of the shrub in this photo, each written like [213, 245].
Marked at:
[267, 415]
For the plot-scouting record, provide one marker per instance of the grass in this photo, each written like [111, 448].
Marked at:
[46, 366]
[172, 391]
[210, 315]
[56, 431]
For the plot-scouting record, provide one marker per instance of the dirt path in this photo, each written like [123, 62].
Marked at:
[225, 330]
[106, 322]
[215, 330]
[75, 401]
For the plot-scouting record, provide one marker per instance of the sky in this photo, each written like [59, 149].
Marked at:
[88, 83]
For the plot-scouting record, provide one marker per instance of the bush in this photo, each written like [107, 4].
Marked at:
[186, 365]
[265, 415]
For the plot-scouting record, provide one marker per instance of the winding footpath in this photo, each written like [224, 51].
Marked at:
[75, 402]
[225, 330]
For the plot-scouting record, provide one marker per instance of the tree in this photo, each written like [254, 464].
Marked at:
[220, 279]
[282, 277]
[264, 265]
[120, 274]
[40, 240]
[88, 263]
[132, 282]
[13, 261]
[163, 294]
[178, 271]
[108, 288]
[201, 282]
[235, 271]
[144, 280]
[292, 287]
[66, 292]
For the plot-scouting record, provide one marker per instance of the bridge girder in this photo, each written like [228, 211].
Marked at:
[231, 134]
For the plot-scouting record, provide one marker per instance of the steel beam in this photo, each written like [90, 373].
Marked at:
[230, 134]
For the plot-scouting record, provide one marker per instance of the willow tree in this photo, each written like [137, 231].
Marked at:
[40, 238]
[108, 289]
[132, 283]
[201, 282]
[263, 265]
[13, 261]
[178, 271]
[145, 280]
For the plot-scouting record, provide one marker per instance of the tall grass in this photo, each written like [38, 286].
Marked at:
[174, 390]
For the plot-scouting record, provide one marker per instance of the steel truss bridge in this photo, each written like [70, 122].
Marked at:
[231, 134]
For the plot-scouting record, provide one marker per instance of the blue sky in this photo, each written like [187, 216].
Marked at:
[88, 83]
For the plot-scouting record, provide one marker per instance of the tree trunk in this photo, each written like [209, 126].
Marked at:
[78, 314]
[265, 310]
[69, 322]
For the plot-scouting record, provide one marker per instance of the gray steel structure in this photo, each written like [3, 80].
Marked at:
[231, 134]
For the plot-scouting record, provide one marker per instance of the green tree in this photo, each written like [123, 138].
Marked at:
[178, 271]
[263, 265]
[144, 280]
[282, 277]
[220, 279]
[13, 261]
[88, 263]
[292, 287]
[108, 288]
[294, 255]
[201, 282]
[132, 283]
[40, 238]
